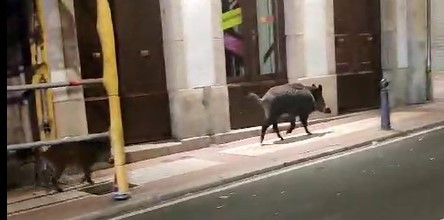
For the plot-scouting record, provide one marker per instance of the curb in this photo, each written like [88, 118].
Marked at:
[142, 203]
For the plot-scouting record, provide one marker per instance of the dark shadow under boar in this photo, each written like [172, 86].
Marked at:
[293, 100]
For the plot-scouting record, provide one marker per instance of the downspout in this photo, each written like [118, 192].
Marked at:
[429, 92]
[39, 53]
[111, 84]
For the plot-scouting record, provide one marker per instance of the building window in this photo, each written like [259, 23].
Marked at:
[233, 40]
[266, 32]
[253, 39]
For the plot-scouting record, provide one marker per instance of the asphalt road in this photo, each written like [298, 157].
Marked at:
[402, 180]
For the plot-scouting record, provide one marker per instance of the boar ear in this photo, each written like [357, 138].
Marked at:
[313, 85]
[320, 88]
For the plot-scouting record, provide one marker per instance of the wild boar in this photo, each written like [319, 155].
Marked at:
[292, 99]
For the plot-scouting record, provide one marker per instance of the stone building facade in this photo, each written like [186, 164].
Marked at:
[205, 94]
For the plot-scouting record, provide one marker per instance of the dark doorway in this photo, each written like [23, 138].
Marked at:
[22, 123]
[358, 56]
[142, 83]
[18, 64]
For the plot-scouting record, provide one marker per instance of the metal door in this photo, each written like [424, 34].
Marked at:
[358, 61]
[140, 60]
[437, 36]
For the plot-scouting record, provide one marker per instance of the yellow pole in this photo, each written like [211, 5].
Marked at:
[36, 79]
[111, 84]
[40, 62]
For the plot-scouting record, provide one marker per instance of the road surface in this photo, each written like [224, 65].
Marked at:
[400, 180]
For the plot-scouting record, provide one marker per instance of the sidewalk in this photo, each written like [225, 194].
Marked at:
[179, 174]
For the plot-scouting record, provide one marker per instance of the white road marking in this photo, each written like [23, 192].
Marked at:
[274, 173]
[256, 149]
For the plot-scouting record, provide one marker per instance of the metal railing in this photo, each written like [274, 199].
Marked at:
[53, 85]
[109, 81]
[66, 140]
[80, 138]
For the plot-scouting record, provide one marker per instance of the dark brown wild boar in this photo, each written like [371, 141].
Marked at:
[81, 154]
[292, 99]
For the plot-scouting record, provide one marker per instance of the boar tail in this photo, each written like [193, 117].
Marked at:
[255, 97]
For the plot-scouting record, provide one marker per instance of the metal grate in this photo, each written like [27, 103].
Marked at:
[102, 189]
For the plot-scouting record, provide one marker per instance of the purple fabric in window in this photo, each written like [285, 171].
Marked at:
[233, 44]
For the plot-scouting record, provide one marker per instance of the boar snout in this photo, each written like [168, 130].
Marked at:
[327, 110]
[111, 160]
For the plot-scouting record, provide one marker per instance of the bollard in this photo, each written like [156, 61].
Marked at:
[385, 105]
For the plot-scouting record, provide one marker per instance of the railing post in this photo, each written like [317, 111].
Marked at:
[39, 60]
[39, 55]
[110, 81]
[385, 105]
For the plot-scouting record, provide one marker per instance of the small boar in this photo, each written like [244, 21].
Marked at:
[81, 154]
[293, 100]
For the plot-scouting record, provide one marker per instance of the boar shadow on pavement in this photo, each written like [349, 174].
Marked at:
[301, 138]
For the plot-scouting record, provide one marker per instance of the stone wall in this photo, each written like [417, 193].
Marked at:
[309, 30]
[404, 35]
[195, 67]
[69, 105]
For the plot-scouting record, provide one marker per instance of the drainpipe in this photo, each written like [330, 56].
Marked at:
[429, 92]
[111, 84]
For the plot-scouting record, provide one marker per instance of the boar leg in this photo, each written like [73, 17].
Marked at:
[58, 171]
[276, 129]
[292, 124]
[305, 123]
[264, 129]
[87, 175]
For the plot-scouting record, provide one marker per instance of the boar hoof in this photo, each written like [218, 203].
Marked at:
[86, 179]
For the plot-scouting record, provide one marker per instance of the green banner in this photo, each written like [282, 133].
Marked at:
[231, 18]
